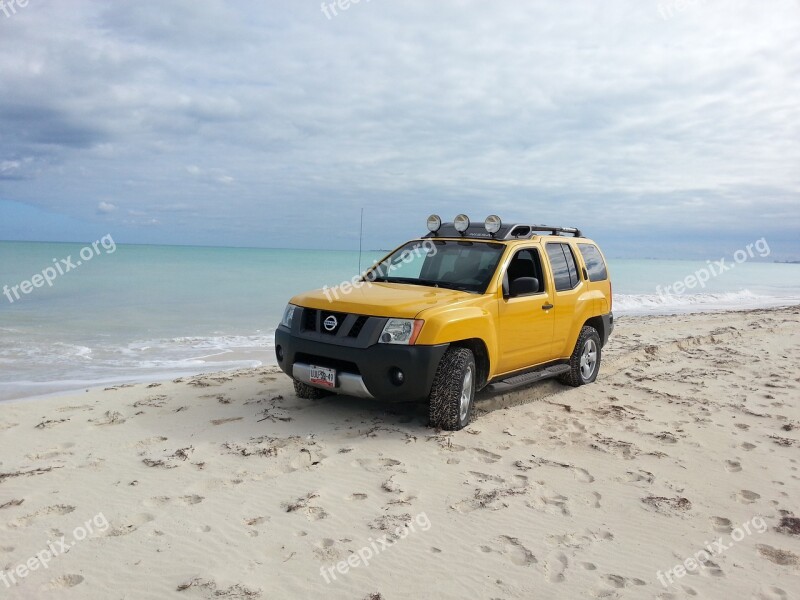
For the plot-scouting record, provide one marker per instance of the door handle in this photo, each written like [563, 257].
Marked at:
[547, 306]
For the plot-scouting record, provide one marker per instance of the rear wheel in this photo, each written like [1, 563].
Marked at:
[307, 392]
[453, 391]
[585, 360]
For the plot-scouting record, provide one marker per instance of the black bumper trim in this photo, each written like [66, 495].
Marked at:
[418, 363]
[608, 326]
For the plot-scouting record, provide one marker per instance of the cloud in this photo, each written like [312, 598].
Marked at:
[105, 208]
[271, 119]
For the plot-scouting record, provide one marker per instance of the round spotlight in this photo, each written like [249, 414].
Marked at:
[493, 224]
[434, 223]
[461, 223]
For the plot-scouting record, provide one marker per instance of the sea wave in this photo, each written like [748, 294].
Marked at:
[661, 304]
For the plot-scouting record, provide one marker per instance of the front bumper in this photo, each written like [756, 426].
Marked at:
[360, 371]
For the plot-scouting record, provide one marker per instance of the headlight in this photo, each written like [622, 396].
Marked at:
[401, 331]
[288, 315]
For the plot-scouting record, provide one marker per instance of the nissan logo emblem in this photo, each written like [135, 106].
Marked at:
[330, 323]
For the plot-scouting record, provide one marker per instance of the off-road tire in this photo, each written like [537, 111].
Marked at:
[574, 376]
[308, 392]
[446, 391]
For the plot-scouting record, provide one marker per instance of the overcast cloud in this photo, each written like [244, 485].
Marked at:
[269, 124]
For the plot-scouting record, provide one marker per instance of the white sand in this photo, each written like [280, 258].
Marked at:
[228, 486]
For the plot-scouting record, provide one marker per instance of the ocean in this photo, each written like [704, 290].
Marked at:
[127, 313]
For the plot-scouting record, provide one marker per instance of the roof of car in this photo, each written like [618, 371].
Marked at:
[507, 232]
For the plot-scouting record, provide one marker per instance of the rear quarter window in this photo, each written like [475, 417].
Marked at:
[595, 265]
[565, 272]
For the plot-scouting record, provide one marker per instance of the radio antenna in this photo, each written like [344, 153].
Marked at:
[360, 240]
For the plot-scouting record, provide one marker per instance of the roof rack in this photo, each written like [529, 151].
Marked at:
[507, 231]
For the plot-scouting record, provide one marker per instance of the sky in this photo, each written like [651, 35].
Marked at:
[661, 128]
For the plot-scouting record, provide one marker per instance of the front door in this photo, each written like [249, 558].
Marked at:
[526, 321]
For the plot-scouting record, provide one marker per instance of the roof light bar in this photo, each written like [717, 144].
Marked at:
[434, 223]
[493, 224]
[461, 223]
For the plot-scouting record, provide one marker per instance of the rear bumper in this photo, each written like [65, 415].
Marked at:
[362, 372]
[608, 326]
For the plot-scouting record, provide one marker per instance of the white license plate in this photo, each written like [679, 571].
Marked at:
[323, 376]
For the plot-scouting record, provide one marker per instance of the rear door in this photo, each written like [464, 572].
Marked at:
[525, 330]
[568, 289]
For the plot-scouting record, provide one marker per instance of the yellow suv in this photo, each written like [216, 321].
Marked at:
[445, 315]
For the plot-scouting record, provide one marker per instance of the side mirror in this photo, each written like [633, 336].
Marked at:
[522, 286]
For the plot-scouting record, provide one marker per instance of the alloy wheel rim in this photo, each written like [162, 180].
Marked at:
[466, 394]
[588, 359]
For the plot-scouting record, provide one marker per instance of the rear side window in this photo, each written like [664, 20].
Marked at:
[565, 271]
[595, 264]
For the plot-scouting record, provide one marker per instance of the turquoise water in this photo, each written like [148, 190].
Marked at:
[143, 313]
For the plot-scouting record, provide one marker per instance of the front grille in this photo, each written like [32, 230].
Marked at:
[357, 327]
[343, 366]
[310, 319]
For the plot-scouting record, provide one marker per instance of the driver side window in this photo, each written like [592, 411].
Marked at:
[525, 265]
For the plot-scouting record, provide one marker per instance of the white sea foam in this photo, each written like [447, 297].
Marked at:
[633, 304]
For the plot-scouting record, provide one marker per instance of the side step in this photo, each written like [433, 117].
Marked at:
[516, 381]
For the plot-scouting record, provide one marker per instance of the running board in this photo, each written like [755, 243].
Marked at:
[516, 381]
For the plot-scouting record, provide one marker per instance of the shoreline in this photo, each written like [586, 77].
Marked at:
[244, 355]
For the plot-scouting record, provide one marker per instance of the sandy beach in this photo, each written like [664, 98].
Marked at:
[675, 475]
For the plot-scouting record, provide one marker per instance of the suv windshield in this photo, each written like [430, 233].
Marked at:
[455, 264]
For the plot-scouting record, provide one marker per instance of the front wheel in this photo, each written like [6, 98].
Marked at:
[584, 363]
[453, 390]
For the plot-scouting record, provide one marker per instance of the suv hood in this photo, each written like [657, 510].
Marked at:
[400, 300]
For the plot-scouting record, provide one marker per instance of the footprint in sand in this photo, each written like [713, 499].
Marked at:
[777, 556]
[770, 592]
[165, 500]
[582, 475]
[53, 452]
[733, 466]
[746, 497]
[129, 525]
[484, 477]
[721, 524]
[555, 504]
[65, 581]
[485, 455]
[325, 550]
[379, 465]
[516, 552]
[27, 520]
[619, 582]
[357, 496]
[554, 566]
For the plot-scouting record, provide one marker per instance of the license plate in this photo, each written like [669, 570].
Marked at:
[323, 376]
